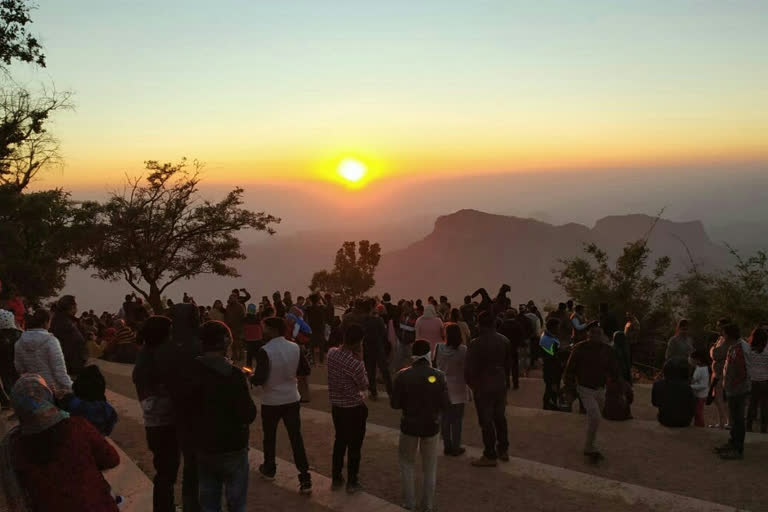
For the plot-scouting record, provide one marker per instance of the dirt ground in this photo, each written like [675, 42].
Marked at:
[638, 452]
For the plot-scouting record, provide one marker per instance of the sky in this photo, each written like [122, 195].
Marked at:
[279, 92]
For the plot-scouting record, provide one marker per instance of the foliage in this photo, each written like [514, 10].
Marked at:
[26, 145]
[740, 293]
[626, 285]
[158, 231]
[352, 274]
[42, 234]
[15, 42]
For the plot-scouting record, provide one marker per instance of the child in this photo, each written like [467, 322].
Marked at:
[700, 384]
[89, 401]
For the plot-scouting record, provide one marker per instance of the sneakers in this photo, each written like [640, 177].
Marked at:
[594, 457]
[305, 487]
[266, 475]
[337, 484]
[504, 456]
[731, 454]
[484, 462]
[353, 487]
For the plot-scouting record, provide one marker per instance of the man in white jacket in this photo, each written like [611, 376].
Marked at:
[38, 351]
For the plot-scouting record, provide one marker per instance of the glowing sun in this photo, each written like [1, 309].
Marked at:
[352, 170]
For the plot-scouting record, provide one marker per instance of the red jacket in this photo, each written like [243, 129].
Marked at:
[72, 480]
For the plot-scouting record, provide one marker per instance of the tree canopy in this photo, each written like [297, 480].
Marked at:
[353, 271]
[159, 230]
[42, 234]
[16, 43]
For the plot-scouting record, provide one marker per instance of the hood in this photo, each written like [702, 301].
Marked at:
[218, 364]
[31, 341]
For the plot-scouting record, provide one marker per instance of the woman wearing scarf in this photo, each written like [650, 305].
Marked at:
[51, 461]
[429, 327]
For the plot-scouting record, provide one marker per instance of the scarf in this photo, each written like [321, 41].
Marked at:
[33, 401]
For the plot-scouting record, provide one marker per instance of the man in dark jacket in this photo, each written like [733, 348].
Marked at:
[591, 364]
[511, 328]
[673, 395]
[374, 344]
[186, 320]
[315, 316]
[65, 327]
[223, 415]
[488, 363]
[421, 392]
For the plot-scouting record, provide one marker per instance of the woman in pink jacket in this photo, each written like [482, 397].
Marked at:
[429, 327]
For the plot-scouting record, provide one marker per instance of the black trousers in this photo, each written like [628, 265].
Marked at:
[552, 375]
[189, 482]
[166, 457]
[349, 423]
[514, 370]
[736, 409]
[533, 349]
[373, 359]
[759, 399]
[270, 417]
[493, 422]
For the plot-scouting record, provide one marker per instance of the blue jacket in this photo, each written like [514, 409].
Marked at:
[100, 414]
[549, 344]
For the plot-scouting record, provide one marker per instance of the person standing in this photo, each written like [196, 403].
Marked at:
[718, 353]
[487, 365]
[278, 364]
[38, 351]
[737, 384]
[550, 346]
[347, 381]
[759, 373]
[429, 327]
[316, 315]
[588, 369]
[579, 324]
[159, 420]
[65, 328]
[421, 393]
[374, 349]
[235, 315]
[680, 346]
[252, 334]
[9, 335]
[700, 384]
[450, 359]
[513, 328]
[224, 413]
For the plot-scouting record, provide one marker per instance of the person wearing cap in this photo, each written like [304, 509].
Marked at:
[279, 363]
[38, 351]
[159, 418]
[221, 426]
[9, 335]
[590, 366]
[57, 459]
[421, 392]
[489, 359]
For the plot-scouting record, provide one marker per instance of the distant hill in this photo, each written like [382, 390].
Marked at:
[469, 249]
[464, 250]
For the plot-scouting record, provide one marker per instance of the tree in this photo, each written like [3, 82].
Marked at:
[158, 231]
[26, 145]
[15, 42]
[352, 274]
[42, 234]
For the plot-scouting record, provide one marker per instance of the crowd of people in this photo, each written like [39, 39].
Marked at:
[195, 368]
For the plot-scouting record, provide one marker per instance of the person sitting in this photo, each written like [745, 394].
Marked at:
[88, 400]
[673, 395]
[52, 461]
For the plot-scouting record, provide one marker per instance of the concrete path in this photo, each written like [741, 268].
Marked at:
[286, 476]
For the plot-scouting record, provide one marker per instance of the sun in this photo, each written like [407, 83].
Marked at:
[352, 170]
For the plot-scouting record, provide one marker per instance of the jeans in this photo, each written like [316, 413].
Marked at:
[166, 457]
[759, 399]
[736, 408]
[227, 470]
[349, 423]
[189, 483]
[594, 402]
[270, 417]
[490, 413]
[450, 427]
[372, 359]
[407, 455]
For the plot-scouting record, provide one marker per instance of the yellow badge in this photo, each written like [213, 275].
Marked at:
[432, 379]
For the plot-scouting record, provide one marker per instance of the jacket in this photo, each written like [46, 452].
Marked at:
[152, 391]
[175, 363]
[451, 362]
[38, 351]
[489, 360]
[738, 380]
[186, 322]
[590, 365]
[224, 408]
[514, 332]
[65, 328]
[99, 413]
[278, 364]
[421, 393]
[673, 395]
